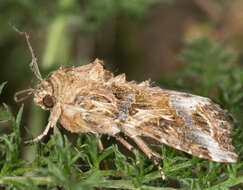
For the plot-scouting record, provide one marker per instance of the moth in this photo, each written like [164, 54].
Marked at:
[90, 99]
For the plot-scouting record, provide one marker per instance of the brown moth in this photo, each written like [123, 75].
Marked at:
[90, 98]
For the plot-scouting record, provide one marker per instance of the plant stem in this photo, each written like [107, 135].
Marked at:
[58, 45]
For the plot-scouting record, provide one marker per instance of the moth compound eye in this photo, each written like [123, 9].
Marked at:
[48, 101]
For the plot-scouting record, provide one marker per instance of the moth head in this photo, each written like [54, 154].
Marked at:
[43, 95]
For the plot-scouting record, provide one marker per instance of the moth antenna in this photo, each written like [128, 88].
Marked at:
[17, 95]
[33, 65]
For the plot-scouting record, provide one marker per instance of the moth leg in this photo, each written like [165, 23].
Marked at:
[149, 154]
[41, 135]
[127, 145]
[132, 149]
[53, 118]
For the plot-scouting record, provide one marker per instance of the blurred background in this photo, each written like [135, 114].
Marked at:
[188, 45]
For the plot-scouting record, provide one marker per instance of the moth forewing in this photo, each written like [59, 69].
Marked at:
[189, 123]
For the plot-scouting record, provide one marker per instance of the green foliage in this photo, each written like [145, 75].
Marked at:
[208, 64]
[9, 144]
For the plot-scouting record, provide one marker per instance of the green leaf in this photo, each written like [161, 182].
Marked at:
[105, 154]
[19, 116]
[228, 183]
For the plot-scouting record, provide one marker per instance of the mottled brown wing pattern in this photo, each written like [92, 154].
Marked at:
[186, 122]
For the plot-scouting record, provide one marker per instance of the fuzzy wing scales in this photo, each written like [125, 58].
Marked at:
[186, 122]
